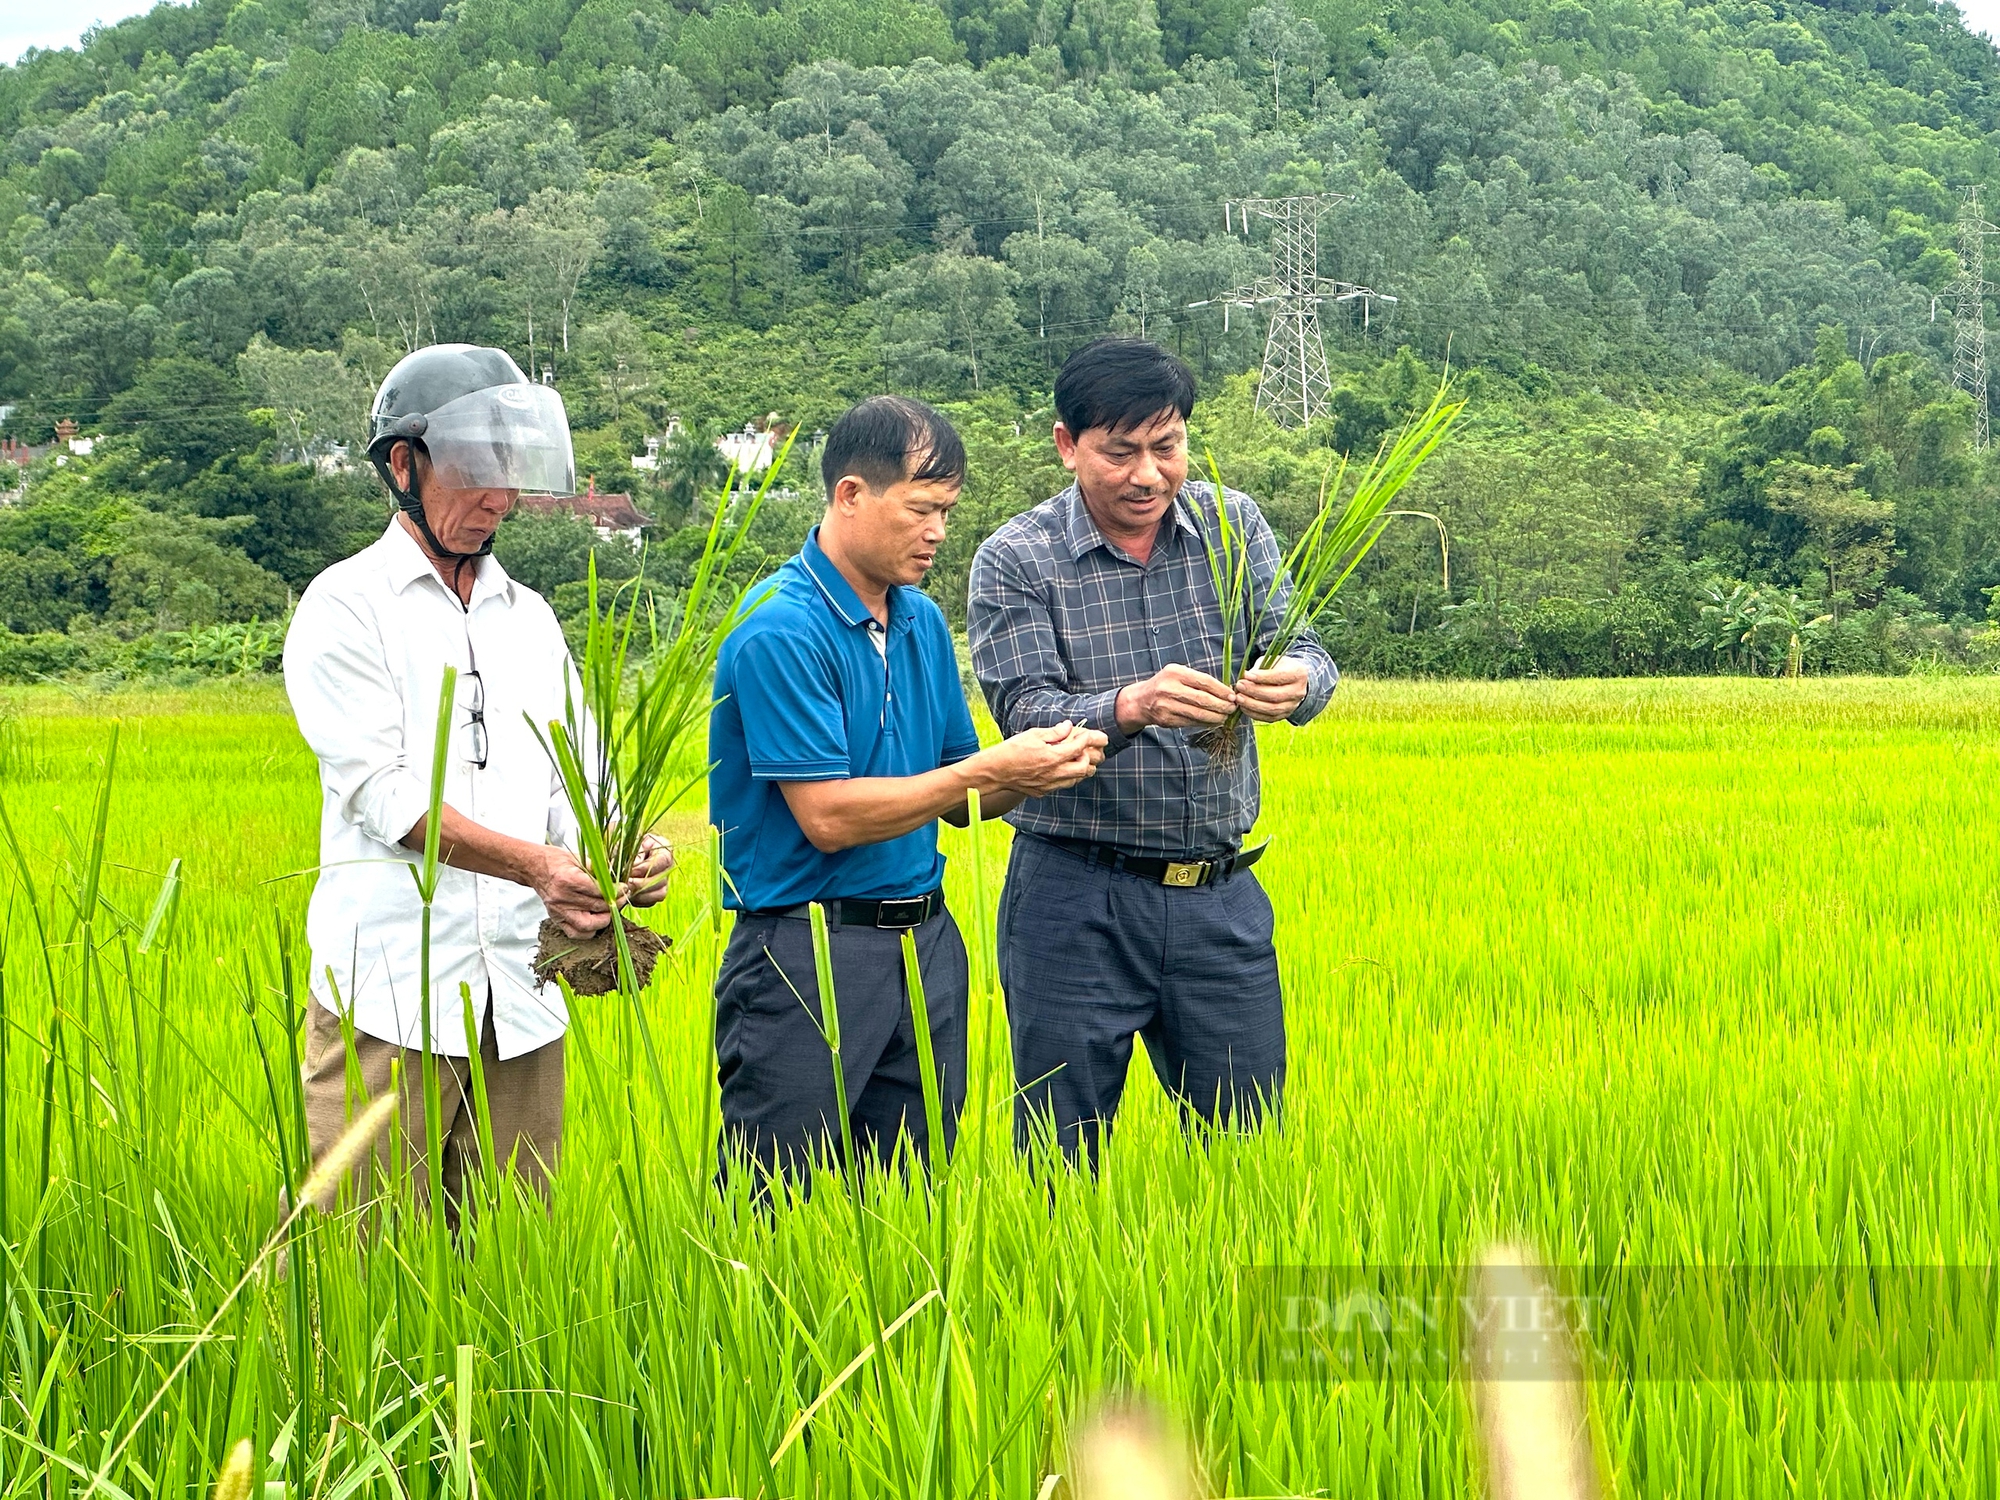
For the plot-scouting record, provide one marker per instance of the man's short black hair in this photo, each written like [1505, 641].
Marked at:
[1119, 384]
[889, 438]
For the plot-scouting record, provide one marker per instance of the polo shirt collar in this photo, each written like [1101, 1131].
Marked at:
[839, 593]
[1081, 532]
[404, 563]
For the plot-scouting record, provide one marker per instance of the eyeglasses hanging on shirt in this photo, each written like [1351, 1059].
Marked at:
[475, 689]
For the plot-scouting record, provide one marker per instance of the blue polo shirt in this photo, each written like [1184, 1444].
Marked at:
[805, 695]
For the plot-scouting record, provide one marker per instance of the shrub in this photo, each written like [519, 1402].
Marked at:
[46, 653]
[1569, 638]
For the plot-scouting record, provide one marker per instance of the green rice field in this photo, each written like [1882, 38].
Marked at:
[1636, 973]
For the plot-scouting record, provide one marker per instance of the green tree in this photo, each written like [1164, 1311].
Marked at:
[732, 259]
[1274, 38]
[185, 412]
[1145, 303]
[512, 148]
[614, 348]
[1065, 277]
[948, 318]
[1852, 533]
[92, 346]
[1118, 38]
[292, 523]
[314, 396]
[65, 175]
[691, 471]
[174, 572]
[210, 313]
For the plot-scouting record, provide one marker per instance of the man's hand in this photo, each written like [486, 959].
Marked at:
[570, 892]
[646, 884]
[1271, 693]
[1175, 697]
[1038, 761]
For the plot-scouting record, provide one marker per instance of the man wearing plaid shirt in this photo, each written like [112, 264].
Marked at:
[1129, 906]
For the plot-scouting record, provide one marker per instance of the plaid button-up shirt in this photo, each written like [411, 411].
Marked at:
[1060, 619]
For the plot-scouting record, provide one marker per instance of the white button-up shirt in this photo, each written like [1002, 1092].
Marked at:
[364, 663]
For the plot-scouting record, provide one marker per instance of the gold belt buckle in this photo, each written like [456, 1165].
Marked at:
[1184, 872]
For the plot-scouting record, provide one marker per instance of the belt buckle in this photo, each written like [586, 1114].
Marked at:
[1185, 872]
[889, 913]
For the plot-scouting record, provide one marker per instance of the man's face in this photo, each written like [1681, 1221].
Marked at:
[462, 520]
[1128, 476]
[895, 532]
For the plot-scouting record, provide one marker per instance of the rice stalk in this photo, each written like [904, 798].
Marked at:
[864, 1245]
[937, 1455]
[617, 745]
[832, 1387]
[345, 1152]
[1321, 560]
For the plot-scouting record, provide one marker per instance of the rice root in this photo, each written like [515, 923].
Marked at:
[1221, 743]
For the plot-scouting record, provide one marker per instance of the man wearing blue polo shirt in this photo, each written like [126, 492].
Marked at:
[839, 738]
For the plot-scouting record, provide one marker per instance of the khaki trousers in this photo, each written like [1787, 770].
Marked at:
[524, 1098]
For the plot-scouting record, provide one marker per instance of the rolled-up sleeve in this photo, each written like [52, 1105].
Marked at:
[350, 713]
[1273, 585]
[1011, 631]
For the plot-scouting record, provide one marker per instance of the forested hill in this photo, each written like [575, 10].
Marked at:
[1690, 257]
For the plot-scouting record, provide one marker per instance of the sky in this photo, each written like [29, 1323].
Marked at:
[1980, 15]
[61, 23]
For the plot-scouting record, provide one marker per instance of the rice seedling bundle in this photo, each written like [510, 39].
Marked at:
[620, 745]
[1685, 970]
[1322, 558]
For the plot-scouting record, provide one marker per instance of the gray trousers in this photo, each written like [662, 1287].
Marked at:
[1091, 957]
[778, 1102]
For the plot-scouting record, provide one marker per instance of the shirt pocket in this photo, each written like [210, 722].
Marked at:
[1198, 644]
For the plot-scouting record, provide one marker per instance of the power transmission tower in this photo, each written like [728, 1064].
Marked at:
[1295, 384]
[1968, 323]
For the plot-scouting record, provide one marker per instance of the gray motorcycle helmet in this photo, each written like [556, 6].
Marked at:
[481, 422]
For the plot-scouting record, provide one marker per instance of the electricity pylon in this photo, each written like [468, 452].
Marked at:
[1295, 384]
[1968, 323]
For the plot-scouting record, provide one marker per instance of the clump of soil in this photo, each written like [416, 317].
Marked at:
[590, 964]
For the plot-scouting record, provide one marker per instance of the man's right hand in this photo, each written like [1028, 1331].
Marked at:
[1175, 697]
[1038, 761]
[570, 893]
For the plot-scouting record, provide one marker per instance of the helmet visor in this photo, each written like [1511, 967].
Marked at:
[505, 437]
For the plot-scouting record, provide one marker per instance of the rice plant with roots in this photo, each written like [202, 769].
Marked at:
[626, 717]
[1321, 560]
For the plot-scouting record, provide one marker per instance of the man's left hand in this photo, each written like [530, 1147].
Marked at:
[1269, 694]
[646, 885]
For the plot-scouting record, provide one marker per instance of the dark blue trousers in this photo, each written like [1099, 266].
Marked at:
[778, 1103]
[1090, 957]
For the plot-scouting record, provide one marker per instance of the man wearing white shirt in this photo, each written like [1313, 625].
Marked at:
[457, 432]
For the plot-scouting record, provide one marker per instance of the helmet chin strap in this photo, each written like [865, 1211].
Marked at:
[411, 503]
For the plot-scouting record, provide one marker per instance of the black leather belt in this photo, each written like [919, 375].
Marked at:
[895, 913]
[1182, 873]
